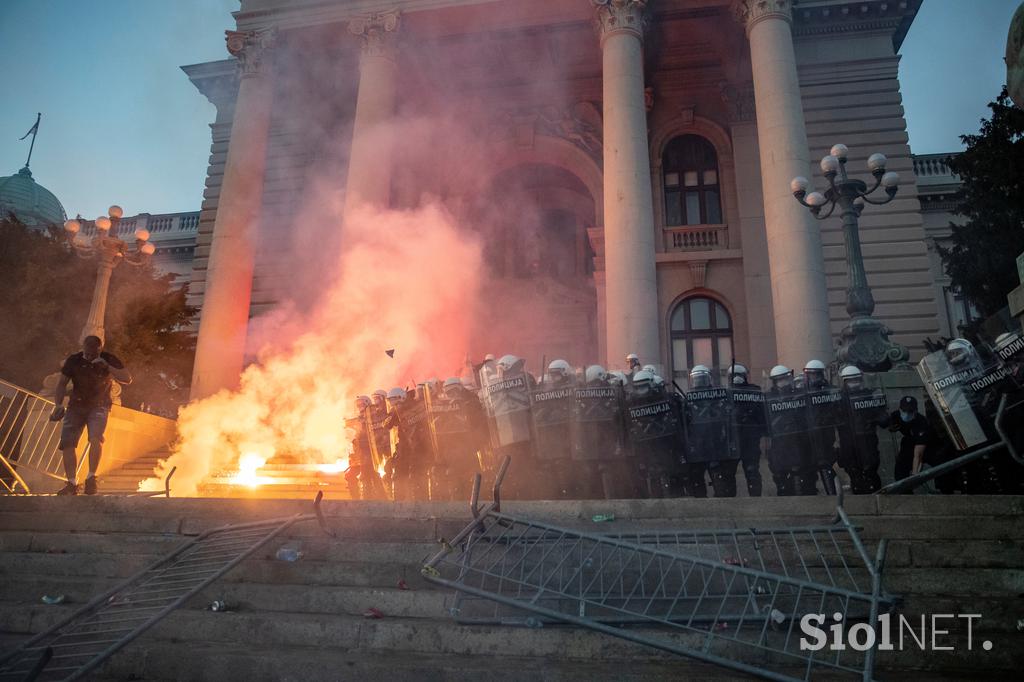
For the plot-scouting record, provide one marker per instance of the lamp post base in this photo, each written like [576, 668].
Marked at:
[865, 343]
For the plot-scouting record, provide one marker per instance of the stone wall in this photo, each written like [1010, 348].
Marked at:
[851, 94]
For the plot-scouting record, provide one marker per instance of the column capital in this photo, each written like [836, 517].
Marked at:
[250, 49]
[750, 12]
[620, 16]
[376, 32]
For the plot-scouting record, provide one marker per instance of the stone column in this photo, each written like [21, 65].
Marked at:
[631, 281]
[369, 166]
[799, 297]
[223, 321]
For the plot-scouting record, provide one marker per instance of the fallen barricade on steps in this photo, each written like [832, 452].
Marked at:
[732, 597]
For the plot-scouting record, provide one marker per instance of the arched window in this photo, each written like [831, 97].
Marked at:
[690, 176]
[701, 332]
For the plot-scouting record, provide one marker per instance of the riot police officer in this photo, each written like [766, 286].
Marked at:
[412, 453]
[858, 440]
[361, 476]
[508, 397]
[654, 421]
[825, 414]
[788, 457]
[707, 437]
[552, 409]
[749, 427]
[457, 427]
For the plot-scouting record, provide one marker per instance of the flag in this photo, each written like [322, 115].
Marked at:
[33, 129]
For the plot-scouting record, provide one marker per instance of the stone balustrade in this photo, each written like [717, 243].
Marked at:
[696, 238]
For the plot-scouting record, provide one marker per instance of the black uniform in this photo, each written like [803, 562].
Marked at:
[789, 455]
[655, 426]
[412, 458]
[858, 438]
[750, 427]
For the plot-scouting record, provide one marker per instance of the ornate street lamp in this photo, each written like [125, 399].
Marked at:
[865, 341]
[109, 252]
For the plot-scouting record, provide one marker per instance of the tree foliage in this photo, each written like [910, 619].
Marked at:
[45, 294]
[981, 261]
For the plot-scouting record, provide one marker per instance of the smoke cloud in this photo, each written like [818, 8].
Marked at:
[470, 259]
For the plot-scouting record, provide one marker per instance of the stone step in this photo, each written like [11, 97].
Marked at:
[391, 635]
[421, 600]
[158, 661]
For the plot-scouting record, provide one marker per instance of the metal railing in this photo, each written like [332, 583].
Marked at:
[28, 439]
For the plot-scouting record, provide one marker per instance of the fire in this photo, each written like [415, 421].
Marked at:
[394, 286]
[248, 466]
[338, 467]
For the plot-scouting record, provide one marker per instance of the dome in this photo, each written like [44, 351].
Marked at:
[30, 202]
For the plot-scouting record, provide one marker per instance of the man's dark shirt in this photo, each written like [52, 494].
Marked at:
[915, 432]
[90, 382]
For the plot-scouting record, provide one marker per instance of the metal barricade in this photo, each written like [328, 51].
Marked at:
[730, 597]
[80, 643]
[28, 439]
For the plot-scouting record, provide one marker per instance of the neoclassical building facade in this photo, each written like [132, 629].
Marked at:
[654, 143]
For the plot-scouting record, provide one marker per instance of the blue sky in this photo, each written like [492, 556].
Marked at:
[122, 124]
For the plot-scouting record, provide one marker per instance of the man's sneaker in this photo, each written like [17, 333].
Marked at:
[90, 485]
[69, 489]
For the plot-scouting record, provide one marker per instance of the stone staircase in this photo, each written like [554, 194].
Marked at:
[125, 479]
[303, 620]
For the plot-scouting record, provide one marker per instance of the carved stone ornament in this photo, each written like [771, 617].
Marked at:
[580, 124]
[865, 343]
[749, 12]
[250, 48]
[376, 31]
[699, 273]
[620, 16]
[739, 100]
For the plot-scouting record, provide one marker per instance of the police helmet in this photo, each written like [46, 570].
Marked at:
[362, 402]
[617, 378]
[738, 373]
[595, 374]
[649, 368]
[560, 368]
[851, 373]
[700, 376]
[781, 374]
[489, 357]
[814, 373]
[452, 381]
[959, 351]
[632, 359]
[642, 381]
[379, 396]
[507, 362]
[396, 395]
[814, 366]
[657, 382]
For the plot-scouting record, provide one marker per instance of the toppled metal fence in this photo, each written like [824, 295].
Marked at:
[730, 597]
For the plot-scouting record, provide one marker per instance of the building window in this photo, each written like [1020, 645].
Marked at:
[690, 176]
[701, 334]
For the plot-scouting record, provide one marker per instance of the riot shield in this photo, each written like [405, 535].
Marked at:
[447, 421]
[509, 407]
[709, 438]
[597, 423]
[947, 387]
[866, 409]
[787, 423]
[747, 411]
[552, 414]
[825, 408]
[380, 438]
[652, 420]
[787, 414]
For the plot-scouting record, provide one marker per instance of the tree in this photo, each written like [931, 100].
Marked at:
[981, 262]
[46, 292]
